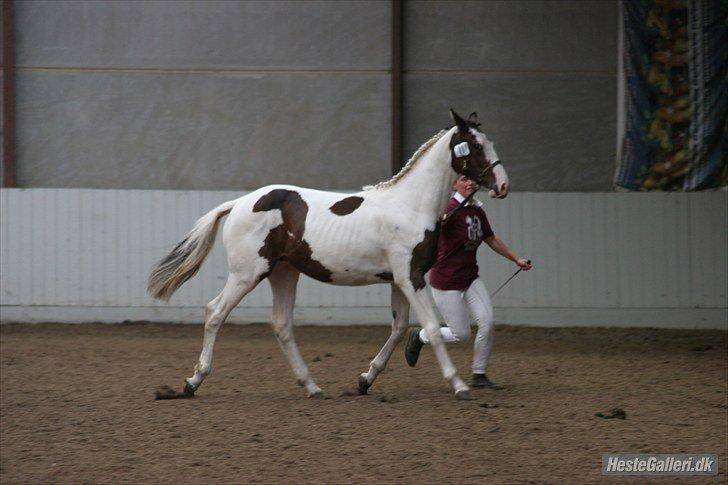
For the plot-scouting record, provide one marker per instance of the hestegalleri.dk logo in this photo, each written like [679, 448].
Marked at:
[659, 464]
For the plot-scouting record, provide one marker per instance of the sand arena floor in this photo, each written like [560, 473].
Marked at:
[77, 406]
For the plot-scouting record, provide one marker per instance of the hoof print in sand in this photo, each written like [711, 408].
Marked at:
[617, 413]
[166, 392]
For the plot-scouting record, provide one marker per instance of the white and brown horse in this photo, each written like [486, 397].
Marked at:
[385, 234]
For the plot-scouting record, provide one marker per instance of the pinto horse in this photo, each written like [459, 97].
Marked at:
[386, 233]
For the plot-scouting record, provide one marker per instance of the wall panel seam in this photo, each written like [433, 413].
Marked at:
[200, 71]
[508, 71]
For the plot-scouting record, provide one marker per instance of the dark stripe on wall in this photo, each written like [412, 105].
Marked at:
[9, 179]
[397, 161]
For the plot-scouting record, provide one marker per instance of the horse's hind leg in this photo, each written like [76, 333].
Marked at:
[400, 314]
[283, 281]
[216, 312]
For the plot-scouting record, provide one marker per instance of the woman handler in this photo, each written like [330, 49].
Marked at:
[456, 289]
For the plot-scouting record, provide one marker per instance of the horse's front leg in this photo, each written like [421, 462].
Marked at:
[422, 302]
[400, 314]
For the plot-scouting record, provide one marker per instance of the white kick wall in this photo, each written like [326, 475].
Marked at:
[607, 259]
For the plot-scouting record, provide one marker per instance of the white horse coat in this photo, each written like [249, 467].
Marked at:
[384, 234]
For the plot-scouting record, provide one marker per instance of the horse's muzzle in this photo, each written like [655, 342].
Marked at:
[499, 192]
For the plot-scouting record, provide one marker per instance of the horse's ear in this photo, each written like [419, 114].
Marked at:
[473, 118]
[461, 123]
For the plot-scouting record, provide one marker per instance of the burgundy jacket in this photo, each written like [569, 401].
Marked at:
[456, 266]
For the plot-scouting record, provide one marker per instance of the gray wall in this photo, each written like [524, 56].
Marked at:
[202, 95]
[234, 95]
[541, 75]
[2, 113]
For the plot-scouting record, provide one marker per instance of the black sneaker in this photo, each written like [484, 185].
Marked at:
[481, 380]
[414, 345]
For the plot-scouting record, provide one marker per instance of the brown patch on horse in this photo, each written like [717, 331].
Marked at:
[285, 242]
[464, 165]
[423, 257]
[386, 276]
[346, 206]
[472, 164]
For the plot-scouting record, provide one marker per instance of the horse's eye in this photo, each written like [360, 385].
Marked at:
[478, 146]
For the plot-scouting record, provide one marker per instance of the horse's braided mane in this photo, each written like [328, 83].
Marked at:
[408, 166]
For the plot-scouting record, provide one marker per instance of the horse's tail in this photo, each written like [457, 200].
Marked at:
[186, 258]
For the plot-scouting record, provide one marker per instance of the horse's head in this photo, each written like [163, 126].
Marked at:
[473, 155]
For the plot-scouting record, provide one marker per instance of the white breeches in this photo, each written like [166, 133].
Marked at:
[459, 308]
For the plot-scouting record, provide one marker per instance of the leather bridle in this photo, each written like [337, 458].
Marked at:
[490, 166]
[481, 175]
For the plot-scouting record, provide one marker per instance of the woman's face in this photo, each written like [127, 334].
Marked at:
[464, 185]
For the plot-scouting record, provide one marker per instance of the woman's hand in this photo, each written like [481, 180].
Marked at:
[497, 245]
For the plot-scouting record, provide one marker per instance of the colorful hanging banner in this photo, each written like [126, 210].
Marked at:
[676, 62]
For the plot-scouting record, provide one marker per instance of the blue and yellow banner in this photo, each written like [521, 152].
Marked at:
[676, 63]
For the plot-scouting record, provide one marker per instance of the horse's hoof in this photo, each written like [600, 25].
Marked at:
[363, 385]
[188, 391]
[463, 395]
[318, 394]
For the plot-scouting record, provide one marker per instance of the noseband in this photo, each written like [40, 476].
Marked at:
[481, 175]
[490, 166]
